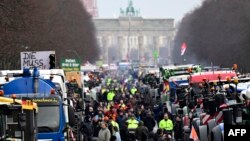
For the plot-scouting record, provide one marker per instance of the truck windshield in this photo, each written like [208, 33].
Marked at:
[48, 118]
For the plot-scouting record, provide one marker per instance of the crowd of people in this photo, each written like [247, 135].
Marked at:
[126, 111]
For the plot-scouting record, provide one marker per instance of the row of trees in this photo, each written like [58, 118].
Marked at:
[44, 25]
[217, 32]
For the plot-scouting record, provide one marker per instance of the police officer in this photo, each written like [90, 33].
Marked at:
[166, 124]
[132, 124]
[133, 90]
[111, 95]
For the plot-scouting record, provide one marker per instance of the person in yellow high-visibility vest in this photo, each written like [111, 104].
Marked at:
[133, 90]
[110, 95]
[103, 90]
[114, 123]
[132, 124]
[166, 124]
[109, 81]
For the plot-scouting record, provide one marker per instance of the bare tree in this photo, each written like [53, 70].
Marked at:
[59, 25]
[217, 32]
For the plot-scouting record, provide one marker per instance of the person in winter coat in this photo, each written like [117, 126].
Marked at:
[121, 119]
[124, 132]
[113, 138]
[151, 137]
[178, 128]
[104, 133]
[87, 129]
[159, 135]
[141, 132]
[149, 121]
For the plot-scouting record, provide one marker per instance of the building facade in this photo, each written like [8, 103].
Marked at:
[135, 38]
[91, 7]
[132, 37]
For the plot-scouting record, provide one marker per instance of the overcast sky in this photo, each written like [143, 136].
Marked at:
[149, 8]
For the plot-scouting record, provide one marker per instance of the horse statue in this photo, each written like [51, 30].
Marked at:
[130, 9]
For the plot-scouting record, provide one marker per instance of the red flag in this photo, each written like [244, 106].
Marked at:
[183, 48]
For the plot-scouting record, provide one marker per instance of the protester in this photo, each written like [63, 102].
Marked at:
[166, 124]
[104, 133]
[141, 132]
[117, 134]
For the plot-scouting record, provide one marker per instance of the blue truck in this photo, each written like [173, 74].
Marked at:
[51, 119]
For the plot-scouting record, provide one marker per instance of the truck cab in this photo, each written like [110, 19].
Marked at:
[51, 120]
[17, 119]
[52, 117]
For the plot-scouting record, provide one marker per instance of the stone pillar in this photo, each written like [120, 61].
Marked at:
[170, 49]
[141, 48]
[127, 48]
[156, 42]
[105, 49]
[121, 48]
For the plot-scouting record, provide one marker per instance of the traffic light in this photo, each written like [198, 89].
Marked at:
[52, 61]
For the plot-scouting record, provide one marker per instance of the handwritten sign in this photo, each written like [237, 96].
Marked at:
[39, 59]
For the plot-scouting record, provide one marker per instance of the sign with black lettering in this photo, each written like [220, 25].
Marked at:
[39, 59]
[236, 131]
